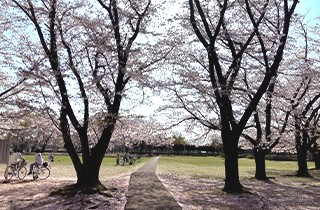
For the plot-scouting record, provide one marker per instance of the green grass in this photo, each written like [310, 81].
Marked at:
[62, 167]
[206, 167]
[213, 167]
[200, 167]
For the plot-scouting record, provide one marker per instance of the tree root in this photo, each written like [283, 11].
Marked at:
[71, 190]
[303, 174]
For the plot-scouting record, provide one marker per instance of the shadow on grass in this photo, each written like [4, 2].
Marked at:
[283, 192]
[17, 181]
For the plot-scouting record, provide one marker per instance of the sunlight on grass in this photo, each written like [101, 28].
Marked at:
[62, 167]
[202, 167]
[213, 167]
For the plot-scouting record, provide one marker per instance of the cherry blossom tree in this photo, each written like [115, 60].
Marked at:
[315, 150]
[14, 89]
[45, 132]
[140, 133]
[32, 130]
[306, 107]
[87, 53]
[235, 35]
[268, 133]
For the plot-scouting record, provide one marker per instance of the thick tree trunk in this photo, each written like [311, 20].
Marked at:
[232, 182]
[260, 160]
[302, 162]
[88, 176]
[88, 171]
[141, 147]
[315, 150]
[316, 158]
[43, 147]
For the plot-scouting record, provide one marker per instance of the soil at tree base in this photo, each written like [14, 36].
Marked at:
[147, 192]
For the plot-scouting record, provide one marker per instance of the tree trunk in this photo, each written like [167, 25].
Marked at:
[232, 182]
[315, 151]
[141, 150]
[302, 161]
[260, 160]
[88, 176]
[316, 158]
[43, 147]
[88, 171]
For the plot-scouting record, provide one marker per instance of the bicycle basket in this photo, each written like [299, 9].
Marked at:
[45, 164]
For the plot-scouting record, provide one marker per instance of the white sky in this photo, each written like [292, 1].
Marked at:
[309, 7]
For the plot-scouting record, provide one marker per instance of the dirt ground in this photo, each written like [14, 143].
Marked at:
[279, 193]
[282, 192]
[29, 194]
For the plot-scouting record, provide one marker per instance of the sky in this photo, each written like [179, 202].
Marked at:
[311, 8]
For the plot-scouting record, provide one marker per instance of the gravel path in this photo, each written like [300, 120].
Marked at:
[147, 192]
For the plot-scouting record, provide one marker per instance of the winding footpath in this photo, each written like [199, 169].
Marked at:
[147, 192]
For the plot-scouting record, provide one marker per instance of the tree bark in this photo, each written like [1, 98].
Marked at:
[315, 151]
[43, 147]
[316, 158]
[230, 146]
[232, 182]
[88, 171]
[88, 177]
[260, 160]
[302, 161]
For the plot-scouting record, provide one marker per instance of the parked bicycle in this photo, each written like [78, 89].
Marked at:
[137, 159]
[19, 170]
[41, 171]
[126, 160]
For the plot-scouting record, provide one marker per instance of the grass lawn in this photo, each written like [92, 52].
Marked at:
[199, 167]
[213, 167]
[62, 167]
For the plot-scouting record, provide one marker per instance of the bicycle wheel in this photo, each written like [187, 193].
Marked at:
[35, 172]
[43, 173]
[22, 172]
[122, 162]
[131, 162]
[11, 172]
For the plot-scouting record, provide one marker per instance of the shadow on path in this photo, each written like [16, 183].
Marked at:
[147, 192]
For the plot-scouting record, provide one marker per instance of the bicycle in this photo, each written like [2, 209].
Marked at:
[137, 159]
[125, 160]
[41, 171]
[19, 170]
